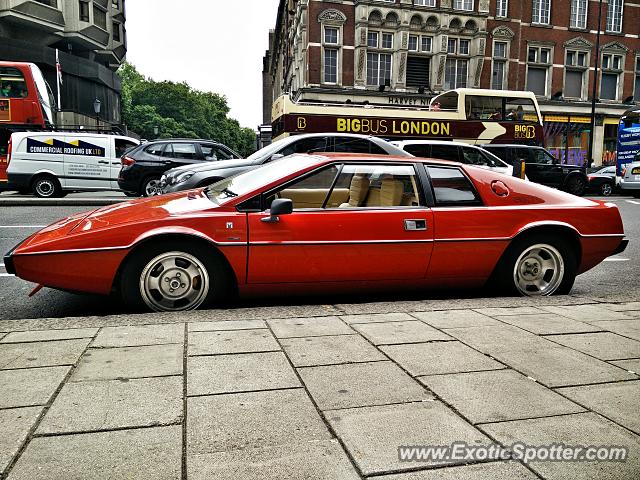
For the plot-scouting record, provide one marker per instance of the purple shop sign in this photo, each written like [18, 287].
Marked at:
[573, 156]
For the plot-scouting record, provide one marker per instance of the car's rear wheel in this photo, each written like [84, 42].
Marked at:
[169, 277]
[151, 187]
[46, 186]
[576, 185]
[606, 189]
[537, 265]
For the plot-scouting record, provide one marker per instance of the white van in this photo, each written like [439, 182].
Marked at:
[51, 164]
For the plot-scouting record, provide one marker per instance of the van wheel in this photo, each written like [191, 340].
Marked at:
[151, 187]
[46, 186]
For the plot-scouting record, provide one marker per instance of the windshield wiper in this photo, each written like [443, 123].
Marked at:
[228, 192]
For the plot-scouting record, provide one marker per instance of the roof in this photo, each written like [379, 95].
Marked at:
[369, 157]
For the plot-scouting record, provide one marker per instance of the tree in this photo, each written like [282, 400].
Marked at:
[179, 111]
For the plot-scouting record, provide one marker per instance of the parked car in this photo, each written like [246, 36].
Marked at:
[327, 223]
[630, 179]
[52, 164]
[185, 178]
[142, 167]
[602, 181]
[542, 167]
[456, 152]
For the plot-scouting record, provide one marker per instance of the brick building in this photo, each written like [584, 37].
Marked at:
[402, 51]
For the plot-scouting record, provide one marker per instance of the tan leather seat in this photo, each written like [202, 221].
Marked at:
[358, 191]
[391, 192]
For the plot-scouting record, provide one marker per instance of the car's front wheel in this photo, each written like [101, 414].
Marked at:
[537, 265]
[47, 186]
[151, 187]
[606, 189]
[170, 277]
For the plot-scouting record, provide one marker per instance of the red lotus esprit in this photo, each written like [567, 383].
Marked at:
[326, 223]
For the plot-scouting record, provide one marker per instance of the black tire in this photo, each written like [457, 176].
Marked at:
[635, 193]
[220, 277]
[606, 189]
[46, 186]
[150, 187]
[576, 185]
[504, 279]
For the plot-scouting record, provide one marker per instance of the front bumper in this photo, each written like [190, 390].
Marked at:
[622, 247]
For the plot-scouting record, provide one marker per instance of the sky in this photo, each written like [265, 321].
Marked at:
[213, 45]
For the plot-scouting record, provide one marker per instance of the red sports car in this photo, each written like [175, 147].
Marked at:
[310, 224]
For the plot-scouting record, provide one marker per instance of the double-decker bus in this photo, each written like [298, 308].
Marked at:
[26, 103]
[466, 114]
[628, 139]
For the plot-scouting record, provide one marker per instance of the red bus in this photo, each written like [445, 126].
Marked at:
[469, 115]
[26, 103]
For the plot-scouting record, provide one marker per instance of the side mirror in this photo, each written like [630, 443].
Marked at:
[276, 156]
[280, 206]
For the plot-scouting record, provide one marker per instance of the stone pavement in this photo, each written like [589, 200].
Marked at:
[268, 394]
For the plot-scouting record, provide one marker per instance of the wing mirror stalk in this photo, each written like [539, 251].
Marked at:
[280, 206]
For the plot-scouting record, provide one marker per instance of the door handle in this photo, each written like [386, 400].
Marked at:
[415, 225]
[103, 162]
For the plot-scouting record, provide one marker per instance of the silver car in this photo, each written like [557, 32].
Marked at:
[630, 181]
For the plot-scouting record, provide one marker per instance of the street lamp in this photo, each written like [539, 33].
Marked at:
[595, 89]
[96, 108]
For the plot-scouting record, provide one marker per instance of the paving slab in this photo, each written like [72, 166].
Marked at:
[372, 435]
[547, 323]
[619, 401]
[16, 423]
[330, 350]
[376, 317]
[239, 373]
[475, 396]
[257, 419]
[587, 313]
[626, 328]
[621, 307]
[129, 362]
[483, 471]
[226, 325]
[308, 327]
[361, 384]
[138, 335]
[605, 345]
[46, 335]
[629, 365]
[105, 405]
[455, 318]
[236, 341]
[317, 460]
[499, 338]
[497, 311]
[144, 454]
[438, 358]
[29, 386]
[41, 354]
[581, 429]
[559, 367]
[390, 333]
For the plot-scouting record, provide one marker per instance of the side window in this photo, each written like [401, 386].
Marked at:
[306, 145]
[452, 188]
[212, 152]
[185, 151]
[445, 152]
[475, 156]
[12, 83]
[418, 150]
[357, 145]
[521, 154]
[541, 156]
[155, 149]
[501, 153]
[308, 192]
[122, 146]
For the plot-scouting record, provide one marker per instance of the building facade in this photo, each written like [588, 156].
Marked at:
[404, 51]
[91, 38]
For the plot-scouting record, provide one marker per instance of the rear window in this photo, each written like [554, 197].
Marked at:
[501, 153]
[12, 83]
[445, 152]
[452, 188]
[123, 145]
[418, 150]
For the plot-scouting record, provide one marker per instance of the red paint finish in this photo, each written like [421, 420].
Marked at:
[319, 251]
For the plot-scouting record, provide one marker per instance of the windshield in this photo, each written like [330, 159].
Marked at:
[247, 182]
[46, 99]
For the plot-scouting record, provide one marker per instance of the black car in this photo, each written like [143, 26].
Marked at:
[602, 181]
[143, 166]
[542, 167]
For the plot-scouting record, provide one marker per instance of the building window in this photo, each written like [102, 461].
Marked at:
[612, 67]
[116, 32]
[387, 40]
[502, 8]
[636, 84]
[579, 13]
[576, 67]
[457, 46]
[425, 3]
[541, 12]
[538, 67]
[99, 17]
[426, 44]
[455, 76]
[614, 16]
[463, 47]
[499, 68]
[84, 11]
[372, 40]
[379, 69]
[331, 41]
[463, 5]
[413, 43]
[331, 36]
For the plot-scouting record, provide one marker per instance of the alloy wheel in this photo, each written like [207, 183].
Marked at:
[539, 270]
[152, 187]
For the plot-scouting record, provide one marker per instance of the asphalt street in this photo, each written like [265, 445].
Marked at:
[616, 278]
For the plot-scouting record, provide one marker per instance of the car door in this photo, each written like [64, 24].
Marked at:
[87, 162]
[546, 168]
[373, 226]
[181, 153]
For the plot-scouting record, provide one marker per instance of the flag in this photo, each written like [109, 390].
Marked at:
[58, 78]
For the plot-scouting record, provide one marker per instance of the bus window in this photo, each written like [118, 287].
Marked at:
[448, 101]
[483, 108]
[12, 83]
[521, 110]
